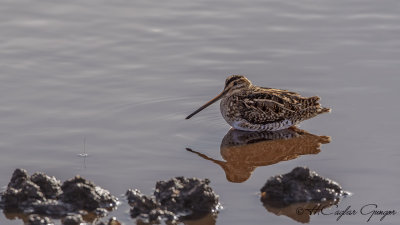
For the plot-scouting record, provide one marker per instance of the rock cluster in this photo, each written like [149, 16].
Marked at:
[300, 185]
[174, 199]
[42, 194]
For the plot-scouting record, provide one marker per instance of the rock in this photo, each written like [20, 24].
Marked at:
[113, 221]
[156, 215]
[23, 191]
[21, 195]
[42, 194]
[101, 212]
[300, 185]
[52, 207]
[73, 220]
[147, 209]
[180, 195]
[19, 176]
[39, 220]
[49, 186]
[173, 200]
[141, 204]
[83, 194]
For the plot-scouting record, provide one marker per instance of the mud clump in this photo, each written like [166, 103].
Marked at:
[141, 204]
[181, 194]
[73, 220]
[42, 194]
[300, 185]
[39, 220]
[49, 186]
[23, 192]
[173, 200]
[83, 194]
[111, 221]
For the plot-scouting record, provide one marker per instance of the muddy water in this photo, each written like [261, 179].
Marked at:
[124, 74]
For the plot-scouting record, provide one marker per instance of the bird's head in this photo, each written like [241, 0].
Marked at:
[233, 84]
[236, 83]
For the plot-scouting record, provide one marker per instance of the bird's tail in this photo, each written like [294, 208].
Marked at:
[314, 102]
[324, 110]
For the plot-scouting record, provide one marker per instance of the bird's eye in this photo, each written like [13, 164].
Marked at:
[235, 83]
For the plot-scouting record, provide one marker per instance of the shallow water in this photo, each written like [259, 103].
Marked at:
[124, 74]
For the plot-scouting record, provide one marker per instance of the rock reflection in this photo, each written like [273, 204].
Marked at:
[300, 212]
[90, 218]
[244, 151]
[209, 219]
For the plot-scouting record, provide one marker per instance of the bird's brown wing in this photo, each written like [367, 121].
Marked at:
[269, 105]
[266, 105]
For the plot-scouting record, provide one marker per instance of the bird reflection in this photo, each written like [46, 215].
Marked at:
[244, 151]
[300, 212]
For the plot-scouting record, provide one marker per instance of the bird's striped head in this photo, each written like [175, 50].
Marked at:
[233, 84]
[236, 82]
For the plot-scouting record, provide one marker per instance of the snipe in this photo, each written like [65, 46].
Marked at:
[247, 107]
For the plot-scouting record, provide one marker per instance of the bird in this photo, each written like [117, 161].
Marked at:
[248, 107]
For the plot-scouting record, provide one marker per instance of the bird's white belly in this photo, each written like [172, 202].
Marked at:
[274, 126]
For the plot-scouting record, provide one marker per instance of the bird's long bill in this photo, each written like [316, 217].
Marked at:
[207, 104]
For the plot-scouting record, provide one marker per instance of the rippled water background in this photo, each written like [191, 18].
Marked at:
[124, 74]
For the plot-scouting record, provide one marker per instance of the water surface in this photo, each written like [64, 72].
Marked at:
[125, 74]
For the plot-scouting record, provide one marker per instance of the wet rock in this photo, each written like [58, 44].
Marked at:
[181, 194]
[42, 194]
[23, 191]
[141, 204]
[101, 212]
[300, 185]
[83, 194]
[19, 176]
[147, 209]
[111, 221]
[73, 220]
[52, 207]
[173, 199]
[22, 194]
[39, 220]
[157, 215]
[49, 186]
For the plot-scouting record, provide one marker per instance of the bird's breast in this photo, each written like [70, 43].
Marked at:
[230, 108]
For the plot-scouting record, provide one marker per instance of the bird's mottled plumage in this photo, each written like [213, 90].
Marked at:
[252, 108]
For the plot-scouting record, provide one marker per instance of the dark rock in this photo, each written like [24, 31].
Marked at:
[24, 194]
[191, 195]
[156, 215]
[300, 185]
[113, 221]
[83, 194]
[39, 220]
[49, 186]
[42, 194]
[176, 198]
[23, 191]
[102, 212]
[52, 207]
[141, 204]
[73, 220]
[19, 176]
